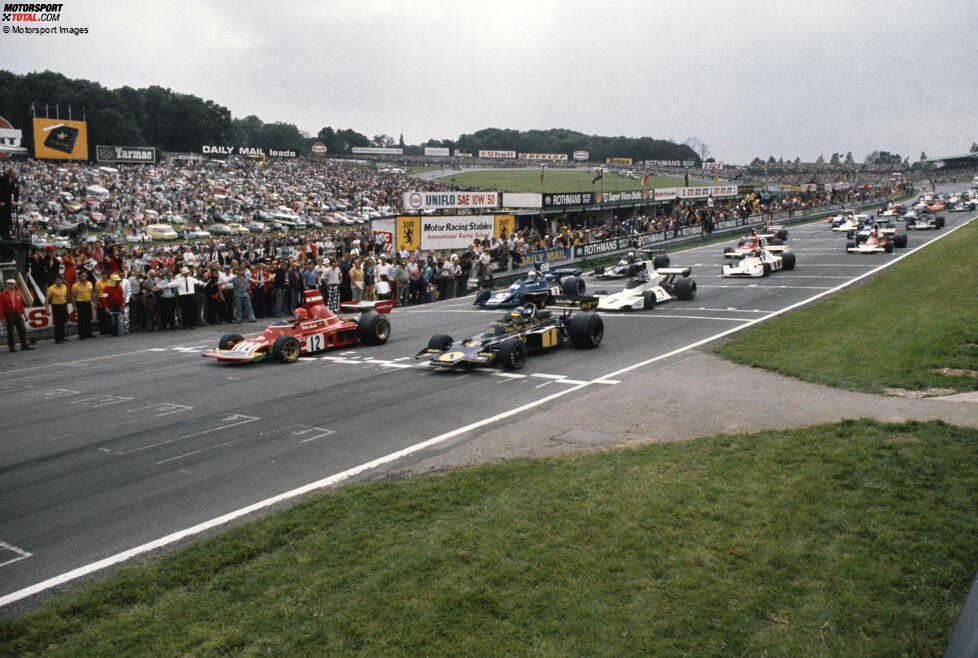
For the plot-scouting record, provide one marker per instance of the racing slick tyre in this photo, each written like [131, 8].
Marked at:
[648, 297]
[888, 247]
[482, 296]
[767, 268]
[586, 330]
[440, 342]
[599, 270]
[660, 261]
[900, 240]
[851, 244]
[686, 288]
[286, 349]
[512, 354]
[228, 341]
[598, 293]
[572, 286]
[782, 235]
[740, 242]
[776, 241]
[727, 250]
[788, 261]
[373, 329]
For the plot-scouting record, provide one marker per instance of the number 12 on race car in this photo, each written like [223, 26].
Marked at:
[315, 343]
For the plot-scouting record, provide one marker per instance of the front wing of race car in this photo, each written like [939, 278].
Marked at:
[243, 352]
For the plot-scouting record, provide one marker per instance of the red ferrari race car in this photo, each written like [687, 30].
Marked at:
[315, 328]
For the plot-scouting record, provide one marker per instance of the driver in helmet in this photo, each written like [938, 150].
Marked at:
[532, 275]
[301, 315]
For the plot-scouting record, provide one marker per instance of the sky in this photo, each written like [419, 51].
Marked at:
[748, 79]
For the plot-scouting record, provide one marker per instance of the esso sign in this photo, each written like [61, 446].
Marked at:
[9, 136]
[319, 148]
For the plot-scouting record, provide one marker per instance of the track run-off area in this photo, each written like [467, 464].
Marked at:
[115, 448]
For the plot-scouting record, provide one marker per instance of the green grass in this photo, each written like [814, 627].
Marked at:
[850, 539]
[556, 180]
[897, 331]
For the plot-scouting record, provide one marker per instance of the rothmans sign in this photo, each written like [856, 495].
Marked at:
[436, 200]
[246, 150]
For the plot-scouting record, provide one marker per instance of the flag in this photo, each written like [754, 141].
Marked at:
[598, 177]
[645, 179]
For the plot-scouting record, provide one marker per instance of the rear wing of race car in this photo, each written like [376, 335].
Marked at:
[381, 306]
[776, 248]
[584, 303]
[678, 271]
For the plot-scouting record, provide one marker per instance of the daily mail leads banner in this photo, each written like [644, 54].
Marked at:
[455, 232]
[377, 150]
[543, 156]
[436, 151]
[438, 200]
[497, 154]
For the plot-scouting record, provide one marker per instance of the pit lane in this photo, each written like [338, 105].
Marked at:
[105, 451]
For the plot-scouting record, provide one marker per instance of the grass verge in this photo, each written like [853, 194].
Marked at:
[914, 326]
[855, 538]
[556, 180]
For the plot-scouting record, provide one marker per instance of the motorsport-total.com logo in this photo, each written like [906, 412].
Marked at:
[31, 13]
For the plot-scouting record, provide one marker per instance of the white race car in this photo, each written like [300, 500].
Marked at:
[849, 222]
[925, 221]
[764, 260]
[631, 265]
[749, 243]
[873, 244]
[646, 290]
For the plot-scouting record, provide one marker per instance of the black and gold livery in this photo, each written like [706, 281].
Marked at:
[541, 323]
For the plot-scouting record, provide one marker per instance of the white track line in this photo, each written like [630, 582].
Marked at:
[417, 447]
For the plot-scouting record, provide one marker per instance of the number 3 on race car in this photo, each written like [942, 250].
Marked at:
[315, 343]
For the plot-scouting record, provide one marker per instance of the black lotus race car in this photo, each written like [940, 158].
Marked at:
[512, 336]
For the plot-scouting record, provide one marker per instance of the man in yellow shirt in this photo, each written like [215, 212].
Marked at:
[103, 323]
[57, 304]
[81, 297]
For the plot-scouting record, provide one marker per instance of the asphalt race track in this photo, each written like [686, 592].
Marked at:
[114, 447]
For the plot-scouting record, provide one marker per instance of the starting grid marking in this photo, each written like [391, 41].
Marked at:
[19, 553]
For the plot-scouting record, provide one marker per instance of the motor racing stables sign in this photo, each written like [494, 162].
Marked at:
[455, 232]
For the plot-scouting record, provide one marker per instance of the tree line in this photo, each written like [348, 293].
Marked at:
[173, 121]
